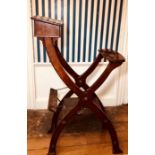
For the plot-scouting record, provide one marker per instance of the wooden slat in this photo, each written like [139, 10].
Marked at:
[52, 103]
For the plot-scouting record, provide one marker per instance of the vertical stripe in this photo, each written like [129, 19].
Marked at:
[74, 27]
[113, 27]
[40, 42]
[99, 24]
[65, 29]
[102, 23]
[68, 26]
[93, 31]
[88, 25]
[49, 8]
[33, 8]
[71, 31]
[47, 15]
[44, 49]
[96, 29]
[82, 29]
[119, 25]
[62, 36]
[46, 9]
[111, 23]
[37, 5]
[123, 31]
[52, 9]
[88, 31]
[59, 9]
[43, 14]
[38, 45]
[56, 8]
[108, 24]
[59, 18]
[85, 31]
[105, 24]
[43, 8]
[91, 22]
[76, 30]
[35, 50]
[62, 9]
[79, 31]
[116, 24]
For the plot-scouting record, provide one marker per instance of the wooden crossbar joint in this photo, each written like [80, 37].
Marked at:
[80, 81]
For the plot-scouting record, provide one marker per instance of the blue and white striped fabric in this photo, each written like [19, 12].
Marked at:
[89, 25]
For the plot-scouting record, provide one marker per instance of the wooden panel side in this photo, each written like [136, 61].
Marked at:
[42, 29]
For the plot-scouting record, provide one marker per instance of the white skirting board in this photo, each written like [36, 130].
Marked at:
[113, 92]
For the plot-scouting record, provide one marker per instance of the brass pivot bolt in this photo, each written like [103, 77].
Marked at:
[86, 98]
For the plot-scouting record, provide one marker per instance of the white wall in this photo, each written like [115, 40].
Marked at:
[45, 78]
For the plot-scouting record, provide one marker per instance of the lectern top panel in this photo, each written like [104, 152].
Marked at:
[48, 20]
[112, 56]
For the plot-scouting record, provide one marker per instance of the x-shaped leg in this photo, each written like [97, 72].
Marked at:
[85, 97]
[49, 30]
[100, 114]
[80, 81]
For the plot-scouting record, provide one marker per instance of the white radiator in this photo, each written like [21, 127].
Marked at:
[89, 25]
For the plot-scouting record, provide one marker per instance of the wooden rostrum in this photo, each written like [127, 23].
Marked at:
[48, 31]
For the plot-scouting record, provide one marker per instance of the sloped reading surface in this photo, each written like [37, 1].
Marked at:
[111, 55]
[47, 20]
[47, 27]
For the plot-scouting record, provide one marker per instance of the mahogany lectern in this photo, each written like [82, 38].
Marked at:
[48, 31]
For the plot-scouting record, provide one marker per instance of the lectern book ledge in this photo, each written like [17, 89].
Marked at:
[47, 27]
[48, 20]
[111, 56]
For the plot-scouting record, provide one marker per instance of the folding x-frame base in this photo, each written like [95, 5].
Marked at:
[87, 97]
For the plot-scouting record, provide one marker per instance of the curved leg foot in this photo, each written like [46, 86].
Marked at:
[108, 125]
[54, 153]
[114, 138]
[60, 127]
[117, 151]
